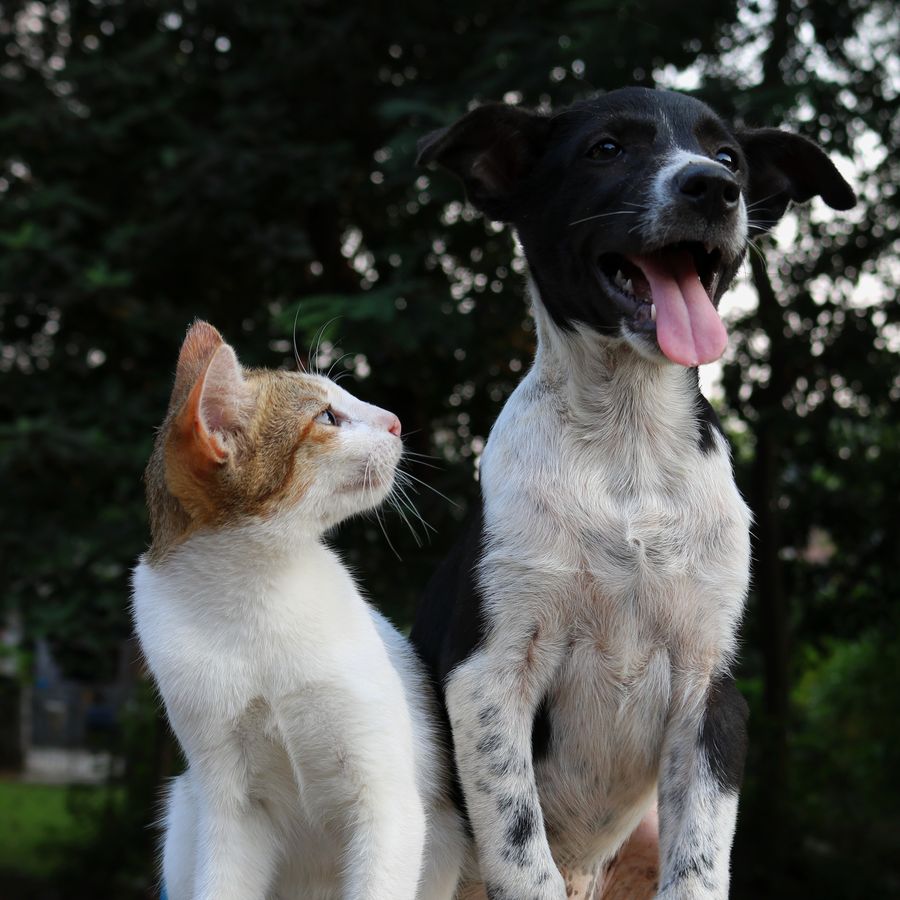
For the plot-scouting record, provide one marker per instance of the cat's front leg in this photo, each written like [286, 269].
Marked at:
[236, 847]
[491, 700]
[354, 759]
[702, 765]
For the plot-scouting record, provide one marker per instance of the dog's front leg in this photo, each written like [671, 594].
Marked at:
[491, 700]
[702, 766]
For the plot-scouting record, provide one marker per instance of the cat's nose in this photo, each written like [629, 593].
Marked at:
[393, 425]
[386, 420]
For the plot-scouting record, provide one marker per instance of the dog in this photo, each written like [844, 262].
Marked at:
[581, 632]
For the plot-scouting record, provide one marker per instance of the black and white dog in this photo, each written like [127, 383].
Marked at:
[582, 631]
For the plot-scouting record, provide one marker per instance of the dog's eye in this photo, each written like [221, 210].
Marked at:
[728, 158]
[327, 417]
[605, 149]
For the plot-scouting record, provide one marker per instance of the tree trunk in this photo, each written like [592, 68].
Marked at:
[768, 576]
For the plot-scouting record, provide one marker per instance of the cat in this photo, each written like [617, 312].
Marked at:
[314, 766]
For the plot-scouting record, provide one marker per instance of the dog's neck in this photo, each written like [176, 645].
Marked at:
[610, 389]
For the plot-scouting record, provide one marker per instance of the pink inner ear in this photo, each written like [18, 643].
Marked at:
[225, 394]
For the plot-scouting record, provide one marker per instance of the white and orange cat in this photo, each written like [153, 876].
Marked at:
[314, 767]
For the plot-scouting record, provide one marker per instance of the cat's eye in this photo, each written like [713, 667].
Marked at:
[728, 158]
[327, 417]
[605, 150]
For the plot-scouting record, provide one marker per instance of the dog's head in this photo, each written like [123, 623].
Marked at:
[634, 208]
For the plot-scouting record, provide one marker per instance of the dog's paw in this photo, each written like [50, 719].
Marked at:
[547, 885]
[690, 889]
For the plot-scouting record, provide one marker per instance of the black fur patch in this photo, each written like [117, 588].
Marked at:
[523, 821]
[699, 868]
[673, 795]
[724, 734]
[540, 732]
[449, 627]
[499, 766]
[487, 714]
[490, 743]
[708, 425]
[449, 623]
[523, 824]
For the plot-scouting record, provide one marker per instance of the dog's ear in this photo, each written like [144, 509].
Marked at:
[491, 150]
[786, 167]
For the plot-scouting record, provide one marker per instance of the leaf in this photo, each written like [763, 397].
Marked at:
[100, 276]
[29, 236]
[314, 311]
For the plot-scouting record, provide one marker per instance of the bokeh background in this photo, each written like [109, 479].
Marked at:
[252, 163]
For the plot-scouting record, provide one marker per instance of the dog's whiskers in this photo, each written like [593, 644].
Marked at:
[618, 212]
[752, 246]
[757, 203]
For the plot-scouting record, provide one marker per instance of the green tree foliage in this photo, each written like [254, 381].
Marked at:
[253, 164]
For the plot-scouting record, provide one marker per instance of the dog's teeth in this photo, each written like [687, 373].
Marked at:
[619, 279]
[628, 287]
[653, 311]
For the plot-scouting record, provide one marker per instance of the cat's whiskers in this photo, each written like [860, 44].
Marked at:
[320, 333]
[420, 462]
[294, 338]
[400, 501]
[407, 501]
[377, 512]
[430, 488]
[331, 367]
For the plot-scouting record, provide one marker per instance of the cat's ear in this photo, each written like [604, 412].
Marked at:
[491, 150]
[200, 343]
[219, 401]
[785, 167]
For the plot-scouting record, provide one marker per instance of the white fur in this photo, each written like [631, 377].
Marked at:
[661, 209]
[314, 769]
[614, 575]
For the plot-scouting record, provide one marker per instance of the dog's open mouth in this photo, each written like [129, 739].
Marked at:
[671, 291]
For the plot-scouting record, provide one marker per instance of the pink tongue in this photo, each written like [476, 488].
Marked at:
[688, 327]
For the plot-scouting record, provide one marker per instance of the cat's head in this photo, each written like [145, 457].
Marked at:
[291, 452]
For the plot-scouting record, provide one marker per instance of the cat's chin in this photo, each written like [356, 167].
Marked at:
[369, 496]
[366, 487]
[354, 498]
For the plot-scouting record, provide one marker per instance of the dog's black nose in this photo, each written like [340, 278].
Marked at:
[710, 189]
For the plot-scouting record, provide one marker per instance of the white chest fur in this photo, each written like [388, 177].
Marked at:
[314, 767]
[223, 626]
[609, 527]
